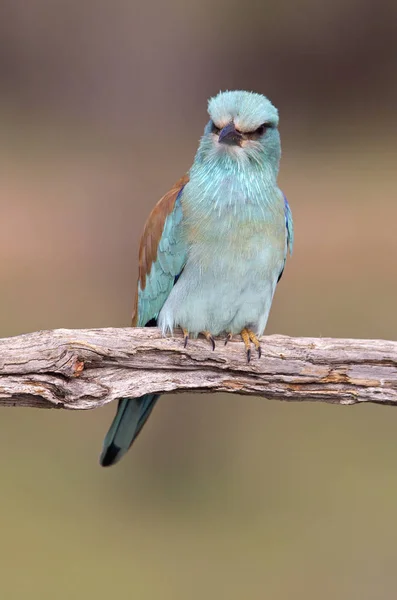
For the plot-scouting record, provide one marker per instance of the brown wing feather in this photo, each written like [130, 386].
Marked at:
[151, 236]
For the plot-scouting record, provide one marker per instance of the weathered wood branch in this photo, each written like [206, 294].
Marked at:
[83, 369]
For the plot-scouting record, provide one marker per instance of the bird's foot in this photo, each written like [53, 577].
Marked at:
[185, 337]
[228, 338]
[249, 336]
[208, 336]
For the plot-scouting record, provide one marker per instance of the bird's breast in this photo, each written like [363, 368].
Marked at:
[223, 233]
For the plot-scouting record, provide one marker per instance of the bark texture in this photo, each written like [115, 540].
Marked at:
[82, 369]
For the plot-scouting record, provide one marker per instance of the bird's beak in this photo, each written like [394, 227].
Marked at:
[230, 135]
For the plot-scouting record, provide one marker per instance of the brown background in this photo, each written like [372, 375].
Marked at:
[101, 108]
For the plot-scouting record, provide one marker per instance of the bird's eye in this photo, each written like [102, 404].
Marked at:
[214, 128]
[262, 128]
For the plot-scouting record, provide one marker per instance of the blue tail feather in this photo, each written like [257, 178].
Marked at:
[131, 415]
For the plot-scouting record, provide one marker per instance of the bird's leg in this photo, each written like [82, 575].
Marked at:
[256, 343]
[249, 336]
[228, 338]
[185, 337]
[209, 338]
[246, 339]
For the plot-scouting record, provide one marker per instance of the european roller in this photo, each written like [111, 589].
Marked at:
[214, 247]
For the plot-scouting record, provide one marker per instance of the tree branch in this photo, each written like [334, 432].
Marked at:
[87, 368]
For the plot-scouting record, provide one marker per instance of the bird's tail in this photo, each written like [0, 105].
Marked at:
[131, 415]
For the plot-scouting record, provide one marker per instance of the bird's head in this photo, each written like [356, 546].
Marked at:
[242, 127]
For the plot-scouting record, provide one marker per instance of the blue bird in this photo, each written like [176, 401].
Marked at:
[214, 247]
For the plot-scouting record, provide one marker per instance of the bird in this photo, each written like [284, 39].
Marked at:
[214, 247]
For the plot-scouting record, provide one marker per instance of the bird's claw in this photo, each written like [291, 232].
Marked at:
[228, 338]
[249, 336]
[208, 336]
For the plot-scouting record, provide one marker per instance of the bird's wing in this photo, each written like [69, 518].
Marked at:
[162, 256]
[289, 225]
[289, 231]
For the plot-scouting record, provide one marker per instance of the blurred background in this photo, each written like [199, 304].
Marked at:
[101, 108]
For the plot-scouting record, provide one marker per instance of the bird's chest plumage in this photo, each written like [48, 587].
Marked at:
[236, 238]
[238, 228]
